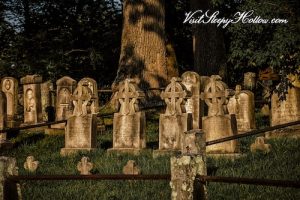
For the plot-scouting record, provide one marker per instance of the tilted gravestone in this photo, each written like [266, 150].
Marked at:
[81, 129]
[3, 120]
[174, 122]
[191, 81]
[64, 107]
[92, 84]
[218, 124]
[10, 88]
[32, 99]
[243, 106]
[129, 123]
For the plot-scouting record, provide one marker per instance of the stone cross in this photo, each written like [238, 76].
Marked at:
[260, 144]
[81, 97]
[215, 95]
[31, 164]
[131, 168]
[174, 96]
[127, 96]
[84, 166]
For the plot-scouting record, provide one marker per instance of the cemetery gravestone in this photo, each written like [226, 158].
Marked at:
[218, 124]
[10, 88]
[31, 164]
[191, 81]
[64, 107]
[242, 105]
[129, 123]
[84, 166]
[249, 80]
[260, 144]
[3, 120]
[193, 142]
[46, 98]
[32, 99]
[174, 122]
[8, 189]
[92, 84]
[131, 168]
[81, 128]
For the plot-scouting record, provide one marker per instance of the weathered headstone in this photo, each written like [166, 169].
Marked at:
[174, 122]
[260, 144]
[84, 166]
[32, 99]
[285, 111]
[81, 128]
[249, 80]
[31, 164]
[46, 98]
[242, 105]
[10, 88]
[129, 123]
[64, 107]
[191, 81]
[193, 142]
[8, 189]
[92, 84]
[131, 168]
[3, 120]
[218, 124]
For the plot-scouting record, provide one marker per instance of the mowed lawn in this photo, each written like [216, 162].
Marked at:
[282, 163]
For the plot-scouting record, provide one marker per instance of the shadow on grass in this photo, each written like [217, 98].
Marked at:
[27, 139]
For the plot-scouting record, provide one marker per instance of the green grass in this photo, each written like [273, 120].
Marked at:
[283, 162]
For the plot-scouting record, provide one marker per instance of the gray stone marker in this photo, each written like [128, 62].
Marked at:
[249, 80]
[46, 98]
[64, 107]
[9, 86]
[129, 123]
[191, 81]
[131, 168]
[218, 124]
[186, 167]
[32, 99]
[243, 106]
[174, 122]
[92, 84]
[31, 164]
[285, 111]
[8, 190]
[81, 128]
[84, 166]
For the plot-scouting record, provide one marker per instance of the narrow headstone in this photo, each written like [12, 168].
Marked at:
[129, 123]
[4, 143]
[84, 166]
[32, 99]
[81, 128]
[92, 84]
[242, 105]
[10, 88]
[64, 107]
[31, 164]
[46, 89]
[174, 122]
[218, 124]
[191, 81]
[249, 80]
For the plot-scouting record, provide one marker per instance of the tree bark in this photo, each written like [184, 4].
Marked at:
[208, 44]
[143, 50]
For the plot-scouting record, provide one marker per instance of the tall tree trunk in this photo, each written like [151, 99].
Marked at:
[143, 50]
[208, 44]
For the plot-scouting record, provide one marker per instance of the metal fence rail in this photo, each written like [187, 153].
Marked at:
[32, 126]
[250, 181]
[251, 133]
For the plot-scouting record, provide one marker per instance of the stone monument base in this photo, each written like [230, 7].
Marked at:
[126, 151]
[12, 124]
[71, 151]
[290, 132]
[158, 153]
[54, 131]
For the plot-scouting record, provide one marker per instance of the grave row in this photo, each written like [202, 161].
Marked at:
[192, 102]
